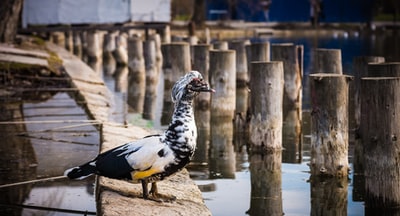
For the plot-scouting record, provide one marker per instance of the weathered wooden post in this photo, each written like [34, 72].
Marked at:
[152, 78]
[223, 80]
[159, 58]
[242, 89]
[360, 69]
[266, 184]
[242, 75]
[201, 63]
[327, 61]
[176, 63]
[329, 124]
[379, 128]
[257, 52]
[109, 63]
[94, 45]
[121, 53]
[383, 69]
[69, 41]
[83, 36]
[220, 45]
[58, 38]
[137, 75]
[77, 49]
[292, 57]
[266, 95]
[165, 34]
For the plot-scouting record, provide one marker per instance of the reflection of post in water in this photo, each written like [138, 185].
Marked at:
[266, 184]
[292, 58]
[222, 155]
[328, 196]
[17, 158]
[137, 74]
[121, 79]
[176, 63]
[200, 63]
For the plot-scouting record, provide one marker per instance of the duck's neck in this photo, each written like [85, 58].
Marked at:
[181, 134]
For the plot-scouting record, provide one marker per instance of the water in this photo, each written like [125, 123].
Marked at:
[231, 194]
[43, 134]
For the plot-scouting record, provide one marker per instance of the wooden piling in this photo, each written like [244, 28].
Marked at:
[292, 57]
[223, 80]
[165, 34]
[329, 124]
[266, 95]
[242, 76]
[201, 63]
[379, 127]
[58, 38]
[77, 48]
[176, 63]
[152, 77]
[360, 69]
[378, 131]
[220, 45]
[327, 61]
[383, 69]
[121, 53]
[69, 43]
[94, 46]
[257, 52]
[159, 57]
[137, 75]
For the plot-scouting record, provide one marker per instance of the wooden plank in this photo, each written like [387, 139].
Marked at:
[17, 51]
[23, 60]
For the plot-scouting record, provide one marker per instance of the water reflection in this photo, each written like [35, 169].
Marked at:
[38, 137]
[266, 184]
[328, 196]
[221, 155]
[17, 159]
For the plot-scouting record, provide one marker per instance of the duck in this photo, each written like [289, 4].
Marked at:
[155, 157]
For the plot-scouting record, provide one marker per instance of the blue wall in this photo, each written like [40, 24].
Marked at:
[292, 10]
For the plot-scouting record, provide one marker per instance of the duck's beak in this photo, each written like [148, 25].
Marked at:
[201, 86]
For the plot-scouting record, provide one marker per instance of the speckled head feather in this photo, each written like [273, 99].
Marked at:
[189, 86]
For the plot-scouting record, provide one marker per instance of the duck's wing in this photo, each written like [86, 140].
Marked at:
[135, 160]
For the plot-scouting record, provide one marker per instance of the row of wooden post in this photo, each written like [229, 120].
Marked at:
[376, 98]
[275, 88]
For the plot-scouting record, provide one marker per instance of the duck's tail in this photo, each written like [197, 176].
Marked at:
[82, 171]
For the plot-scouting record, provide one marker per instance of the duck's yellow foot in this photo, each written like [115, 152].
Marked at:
[155, 196]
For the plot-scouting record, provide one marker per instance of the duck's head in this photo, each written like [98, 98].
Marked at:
[189, 86]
